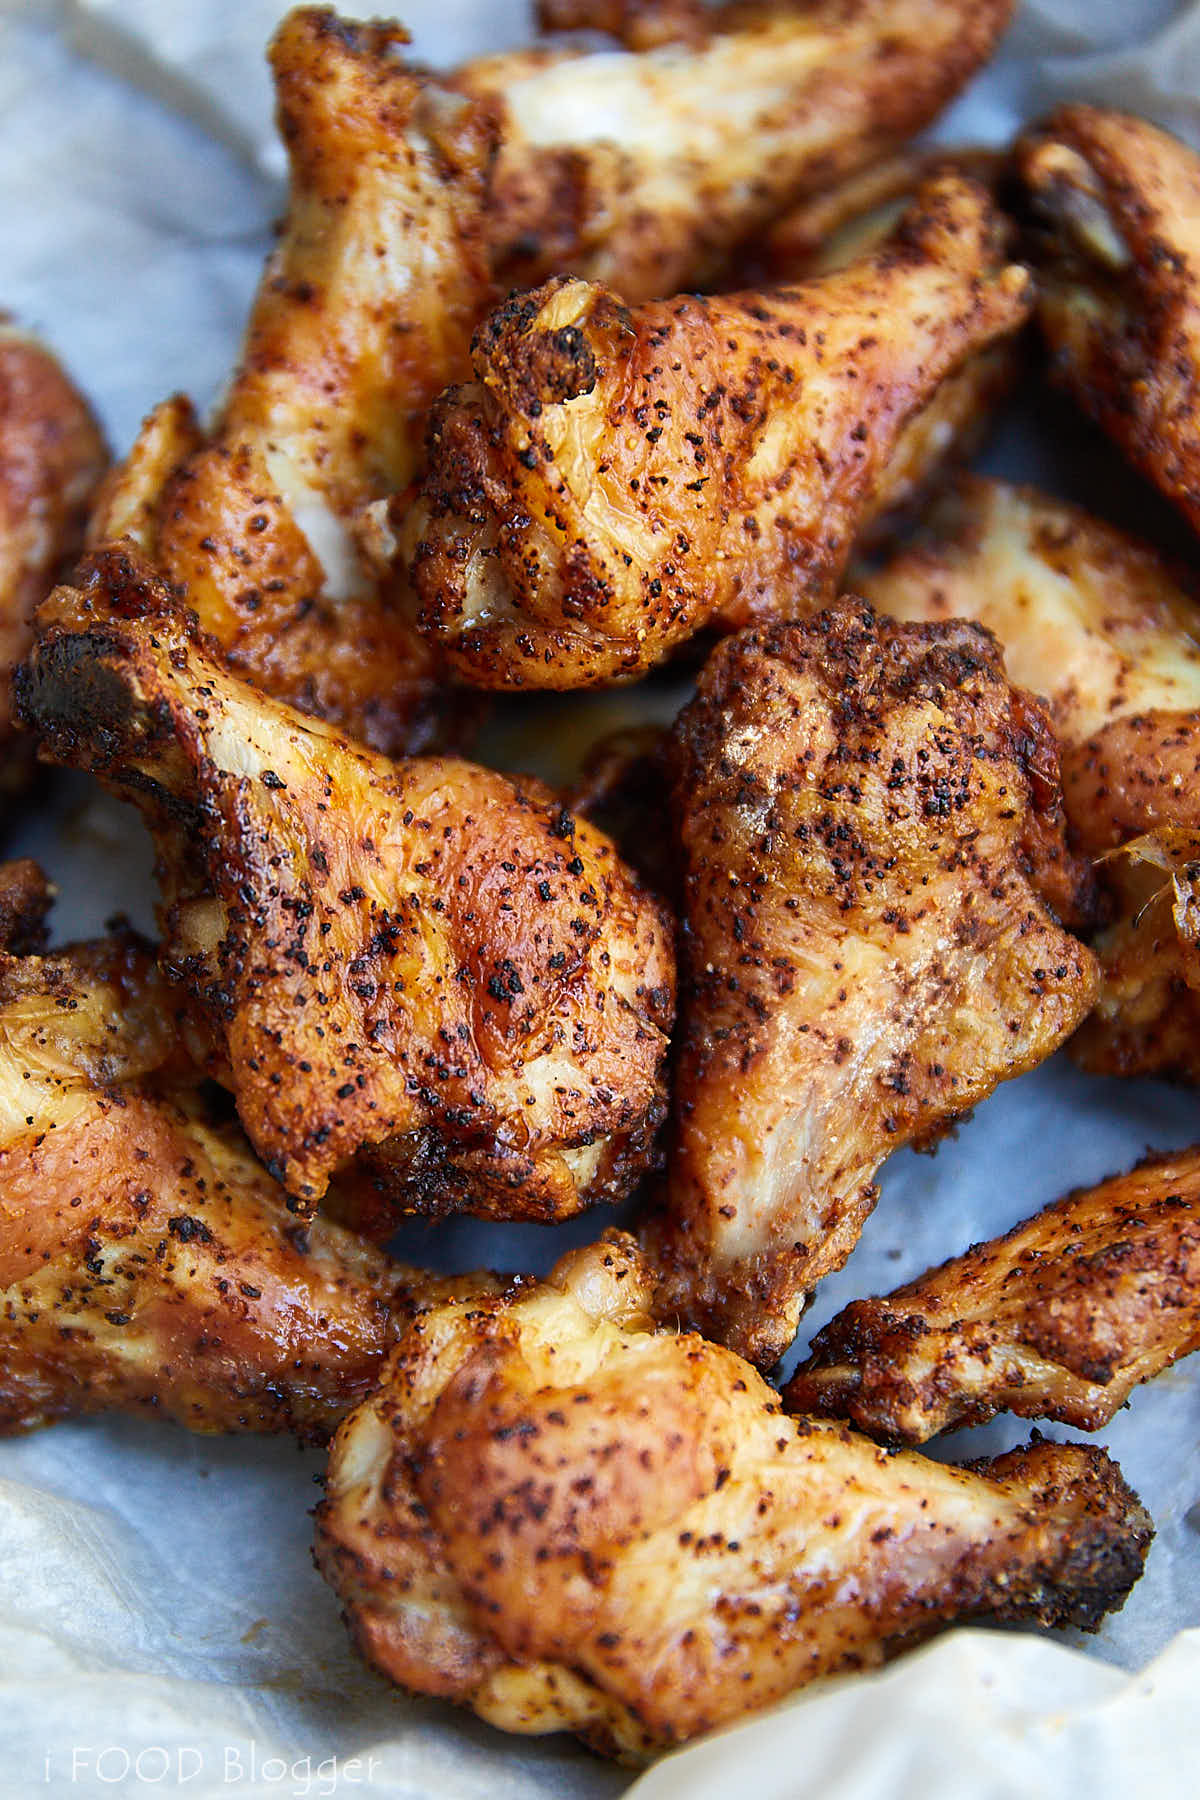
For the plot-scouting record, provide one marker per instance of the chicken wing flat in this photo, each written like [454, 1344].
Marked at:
[644, 170]
[364, 313]
[562, 1518]
[148, 1263]
[421, 959]
[613, 480]
[870, 821]
[1059, 1319]
[1102, 627]
[1116, 235]
[51, 456]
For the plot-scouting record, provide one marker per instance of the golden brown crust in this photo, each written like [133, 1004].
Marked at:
[870, 818]
[615, 480]
[423, 960]
[1058, 1319]
[1116, 235]
[564, 1519]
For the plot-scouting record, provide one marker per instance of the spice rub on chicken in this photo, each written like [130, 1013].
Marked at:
[872, 837]
[421, 959]
[558, 1516]
[614, 479]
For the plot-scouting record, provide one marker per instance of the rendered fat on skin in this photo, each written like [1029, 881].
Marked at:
[422, 959]
[1059, 1319]
[148, 1263]
[644, 168]
[1115, 209]
[558, 1516]
[364, 313]
[1106, 630]
[871, 826]
[614, 479]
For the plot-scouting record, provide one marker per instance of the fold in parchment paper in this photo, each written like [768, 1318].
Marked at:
[161, 1627]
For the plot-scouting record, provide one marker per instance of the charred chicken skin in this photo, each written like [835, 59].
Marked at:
[1115, 207]
[557, 1515]
[615, 480]
[871, 827]
[1059, 1319]
[420, 959]
[645, 170]
[148, 1263]
[364, 313]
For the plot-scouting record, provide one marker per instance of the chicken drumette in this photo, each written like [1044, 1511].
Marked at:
[423, 959]
[871, 828]
[563, 1518]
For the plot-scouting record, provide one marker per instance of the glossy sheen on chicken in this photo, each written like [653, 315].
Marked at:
[615, 480]
[645, 170]
[363, 314]
[1059, 1319]
[148, 1263]
[560, 1517]
[871, 822]
[51, 456]
[1115, 206]
[421, 959]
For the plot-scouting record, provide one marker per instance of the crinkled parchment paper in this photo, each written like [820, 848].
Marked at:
[161, 1627]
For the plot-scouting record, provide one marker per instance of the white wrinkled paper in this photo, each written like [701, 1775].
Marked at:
[161, 1627]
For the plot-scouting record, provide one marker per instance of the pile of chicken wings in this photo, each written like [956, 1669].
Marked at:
[569, 366]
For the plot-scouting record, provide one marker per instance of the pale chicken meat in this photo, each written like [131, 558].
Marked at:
[1108, 632]
[421, 960]
[1115, 231]
[1060, 1318]
[263, 519]
[871, 829]
[563, 1518]
[148, 1263]
[613, 481]
[645, 167]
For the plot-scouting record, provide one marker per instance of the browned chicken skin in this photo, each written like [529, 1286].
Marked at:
[1116, 233]
[420, 959]
[148, 1263]
[51, 456]
[1058, 1319]
[563, 1518]
[644, 171]
[614, 480]
[870, 819]
[364, 313]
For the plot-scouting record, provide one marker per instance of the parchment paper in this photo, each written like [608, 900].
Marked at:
[161, 1628]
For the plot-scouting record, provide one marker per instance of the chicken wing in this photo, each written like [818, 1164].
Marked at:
[870, 820]
[1101, 626]
[564, 1519]
[364, 313]
[614, 480]
[1116, 236]
[51, 456]
[421, 959]
[1059, 1319]
[645, 170]
[148, 1263]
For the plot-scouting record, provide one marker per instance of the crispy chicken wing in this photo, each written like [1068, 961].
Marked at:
[1102, 627]
[1116, 234]
[644, 170]
[422, 959]
[51, 456]
[1059, 1319]
[870, 820]
[147, 1261]
[613, 480]
[562, 1518]
[364, 313]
